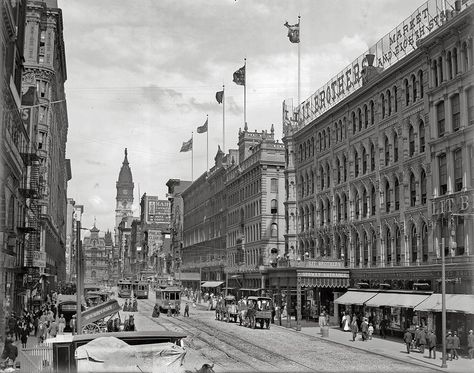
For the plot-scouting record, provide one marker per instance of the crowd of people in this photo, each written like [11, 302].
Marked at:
[130, 305]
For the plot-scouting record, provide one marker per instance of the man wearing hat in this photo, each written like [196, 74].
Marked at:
[431, 340]
[73, 324]
[449, 346]
[470, 344]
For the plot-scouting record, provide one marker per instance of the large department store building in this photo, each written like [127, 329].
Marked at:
[379, 177]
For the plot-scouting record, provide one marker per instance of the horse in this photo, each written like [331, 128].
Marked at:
[129, 324]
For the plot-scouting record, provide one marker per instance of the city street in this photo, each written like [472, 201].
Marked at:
[235, 348]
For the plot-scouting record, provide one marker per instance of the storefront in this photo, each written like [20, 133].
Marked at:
[459, 314]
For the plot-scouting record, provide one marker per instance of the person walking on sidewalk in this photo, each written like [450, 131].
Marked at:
[431, 341]
[61, 324]
[456, 346]
[408, 338]
[24, 332]
[383, 328]
[186, 310]
[422, 340]
[470, 344]
[449, 346]
[364, 326]
[354, 329]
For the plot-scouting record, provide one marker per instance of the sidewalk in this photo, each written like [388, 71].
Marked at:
[391, 348]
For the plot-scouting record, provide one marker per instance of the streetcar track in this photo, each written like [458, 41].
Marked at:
[236, 342]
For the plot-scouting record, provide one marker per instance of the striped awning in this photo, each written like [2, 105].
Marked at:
[324, 282]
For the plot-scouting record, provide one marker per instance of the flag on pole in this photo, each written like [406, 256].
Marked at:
[220, 96]
[239, 76]
[187, 145]
[202, 128]
[293, 32]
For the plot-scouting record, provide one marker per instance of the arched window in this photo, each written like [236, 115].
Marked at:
[421, 135]
[364, 160]
[328, 175]
[411, 141]
[397, 194]
[434, 71]
[387, 197]
[424, 242]
[274, 230]
[382, 99]
[414, 247]
[407, 92]
[357, 205]
[312, 146]
[305, 151]
[11, 213]
[449, 65]
[413, 83]
[423, 187]
[340, 130]
[302, 186]
[373, 240]
[465, 55]
[395, 99]
[395, 147]
[359, 115]
[372, 113]
[324, 139]
[455, 62]
[274, 206]
[338, 168]
[365, 208]
[344, 164]
[338, 208]
[356, 163]
[373, 201]
[312, 182]
[321, 172]
[389, 102]
[354, 124]
[387, 151]
[458, 164]
[365, 253]
[441, 72]
[388, 246]
[329, 137]
[320, 141]
[344, 206]
[420, 80]
[412, 190]
[357, 250]
[372, 157]
[398, 246]
[366, 116]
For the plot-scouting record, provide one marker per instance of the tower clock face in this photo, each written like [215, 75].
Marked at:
[125, 192]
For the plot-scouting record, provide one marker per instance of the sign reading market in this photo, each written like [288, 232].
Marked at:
[390, 49]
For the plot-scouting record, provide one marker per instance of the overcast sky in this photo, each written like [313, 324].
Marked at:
[143, 75]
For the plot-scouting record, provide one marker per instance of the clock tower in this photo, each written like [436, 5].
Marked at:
[124, 199]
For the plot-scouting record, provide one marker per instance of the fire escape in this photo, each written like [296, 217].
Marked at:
[30, 226]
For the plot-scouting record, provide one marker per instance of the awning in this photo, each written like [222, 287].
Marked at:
[189, 276]
[247, 289]
[355, 297]
[396, 300]
[325, 282]
[462, 303]
[211, 284]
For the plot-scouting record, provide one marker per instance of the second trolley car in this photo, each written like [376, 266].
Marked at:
[139, 289]
[168, 298]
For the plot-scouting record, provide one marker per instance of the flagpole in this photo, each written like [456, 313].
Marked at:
[207, 143]
[245, 92]
[299, 67]
[192, 156]
[223, 117]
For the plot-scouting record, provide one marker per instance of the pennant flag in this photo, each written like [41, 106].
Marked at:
[293, 32]
[239, 76]
[187, 145]
[220, 96]
[202, 128]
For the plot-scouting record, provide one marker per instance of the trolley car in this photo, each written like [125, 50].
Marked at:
[138, 288]
[168, 298]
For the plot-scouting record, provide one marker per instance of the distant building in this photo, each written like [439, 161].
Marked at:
[96, 257]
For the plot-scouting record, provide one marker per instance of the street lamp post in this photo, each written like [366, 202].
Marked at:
[78, 278]
[443, 299]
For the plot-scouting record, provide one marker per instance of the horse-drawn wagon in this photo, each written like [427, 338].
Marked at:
[258, 312]
[104, 317]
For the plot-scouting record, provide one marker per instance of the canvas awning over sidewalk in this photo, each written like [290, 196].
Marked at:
[355, 297]
[211, 284]
[396, 300]
[461, 303]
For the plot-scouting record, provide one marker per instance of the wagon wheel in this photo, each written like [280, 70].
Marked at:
[90, 329]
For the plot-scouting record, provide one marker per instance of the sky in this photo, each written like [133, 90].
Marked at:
[143, 74]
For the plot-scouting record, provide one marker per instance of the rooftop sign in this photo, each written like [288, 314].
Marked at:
[394, 46]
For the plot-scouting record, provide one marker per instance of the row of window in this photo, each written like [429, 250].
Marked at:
[455, 113]
[450, 63]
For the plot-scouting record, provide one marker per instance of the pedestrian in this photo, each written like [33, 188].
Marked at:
[186, 310]
[10, 351]
[422, 340]
[345, 322]
[53, 329]
[24, 332]
[449, 346]
[431, 341]
[417, 336]
[12, 324]
[354, 329]
[408, 338]
[456, 346]
[383, 328]
[73, 324]
[364, 329]
[61, 324]
[178, 309]
[169, 313]
[156, 311]
[470, 344]
[371, 330]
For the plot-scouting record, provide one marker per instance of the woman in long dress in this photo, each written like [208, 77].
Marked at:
[345, 322]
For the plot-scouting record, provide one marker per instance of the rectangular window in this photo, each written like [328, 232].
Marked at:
[470, 106]
[274, 185]
[459, 222]
[440, 118]
[458, 170]
[443, 175]
[455, 112]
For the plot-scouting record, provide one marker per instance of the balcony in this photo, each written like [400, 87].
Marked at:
[28, 192]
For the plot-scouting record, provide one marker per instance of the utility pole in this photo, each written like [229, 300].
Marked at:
[78, 278]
